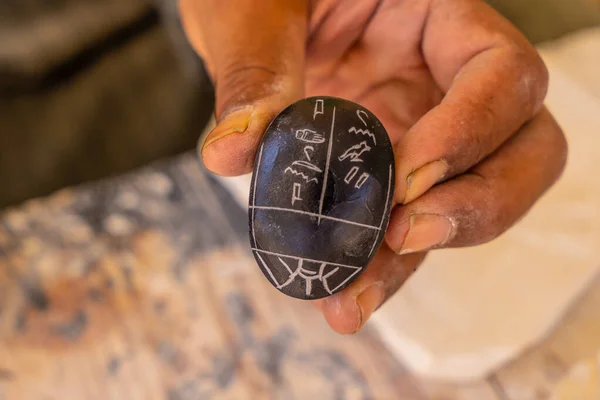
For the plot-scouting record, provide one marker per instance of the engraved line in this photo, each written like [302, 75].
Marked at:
[307, 274]
[319, 106]
[303, 258]
[361, 118]
[324, 279]
[326, 167]
[254, 194]
[300, 174]
[387, 196]
[285, 265]
[363, 132]
[321, 269]
[291, 279]
[268, 270]
[315, 215]
[374, 243]
[308, 156]
[346, 280]
[296, 192]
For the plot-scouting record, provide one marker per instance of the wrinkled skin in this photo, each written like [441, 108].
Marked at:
[458, 88]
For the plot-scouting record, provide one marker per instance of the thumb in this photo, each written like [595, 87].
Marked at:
[254, 52]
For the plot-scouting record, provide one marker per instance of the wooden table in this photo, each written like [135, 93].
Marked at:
[143, 287]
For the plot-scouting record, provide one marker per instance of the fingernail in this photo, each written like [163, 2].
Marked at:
[422, 179]
[368, 301]
[425, 232]
[236, 122]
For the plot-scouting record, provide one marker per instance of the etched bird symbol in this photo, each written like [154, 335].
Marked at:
[355, 152]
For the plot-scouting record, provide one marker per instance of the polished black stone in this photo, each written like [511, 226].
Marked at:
[321, 196]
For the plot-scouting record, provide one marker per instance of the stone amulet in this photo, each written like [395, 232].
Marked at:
[321, 196]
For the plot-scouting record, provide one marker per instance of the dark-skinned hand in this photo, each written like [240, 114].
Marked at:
[458, 88]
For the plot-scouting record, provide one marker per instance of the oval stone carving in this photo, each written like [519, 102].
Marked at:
[321, 196]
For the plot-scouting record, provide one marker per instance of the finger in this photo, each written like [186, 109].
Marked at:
[335, 26]
[349, 310]
[494, 82]
[473, 208]
[478, 206]
[255, 55]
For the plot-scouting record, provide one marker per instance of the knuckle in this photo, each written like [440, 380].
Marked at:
[470, 146]
[243, 76]
[482, 145]
[493, 218]
[538, 73]
[242, 83]
[481, 216]
[530, 75]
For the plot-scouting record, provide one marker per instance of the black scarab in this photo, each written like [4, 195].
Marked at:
[321, 196]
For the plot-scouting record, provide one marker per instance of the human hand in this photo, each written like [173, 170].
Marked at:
[458, 88]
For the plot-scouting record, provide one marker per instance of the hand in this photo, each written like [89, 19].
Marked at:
[459, 90]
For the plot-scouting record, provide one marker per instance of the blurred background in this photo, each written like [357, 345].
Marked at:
[97, 87]
[136, 281]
